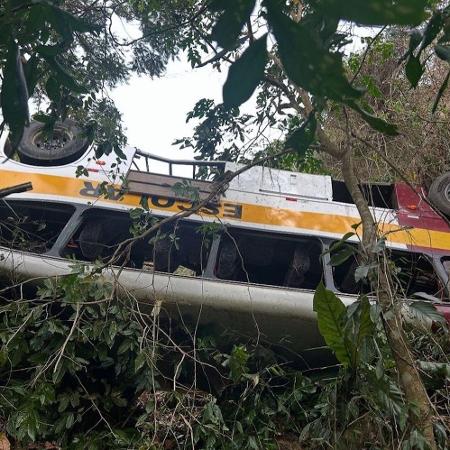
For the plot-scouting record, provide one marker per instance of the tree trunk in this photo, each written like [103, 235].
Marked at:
[410, 381]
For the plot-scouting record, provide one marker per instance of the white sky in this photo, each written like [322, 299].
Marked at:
[154, 110]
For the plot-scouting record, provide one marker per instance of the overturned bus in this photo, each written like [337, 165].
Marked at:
[248, 261]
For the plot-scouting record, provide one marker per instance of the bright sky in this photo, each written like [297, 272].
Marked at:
[154, 110]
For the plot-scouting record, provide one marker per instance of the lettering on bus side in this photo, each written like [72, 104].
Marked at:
[90, 191]
[230, 210]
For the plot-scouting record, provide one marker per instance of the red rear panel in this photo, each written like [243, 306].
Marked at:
[414, 211]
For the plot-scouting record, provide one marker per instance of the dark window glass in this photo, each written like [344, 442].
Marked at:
[415, 273]
[32, 226]
[344, 277]
[180, 248]
[265, 258]
[446, 264]
[412, 273]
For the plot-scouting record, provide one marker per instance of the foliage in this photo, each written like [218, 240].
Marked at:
[344, 331]
[81, 360]
[373, 69]
[65, 54]
[81, 367]
[420, 152]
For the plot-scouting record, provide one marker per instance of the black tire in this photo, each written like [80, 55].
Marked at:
[439, 193]
[91, 240]
[66, 145]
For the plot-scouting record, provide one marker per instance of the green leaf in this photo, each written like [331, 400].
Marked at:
[342, 242]
[245, 74]
[443, 52]
[64, 76]
[52, 87]
[238, 362]
[14, 93]
[361, 272]
[414, 70]
[32, 74]
[376, 12]
[341, 254]
[375, 122]
[441, 91]
[302, 137]
[432, 29]
[364, 328]
[331, 320]
[415, 38]
[139, 362]
[3, 356]
[307, 60]
[424, 311]
[66, 23]
[230, 23]
[435, 368]
[70, 419]
[379, 369]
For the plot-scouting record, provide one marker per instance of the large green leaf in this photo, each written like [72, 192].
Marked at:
[441, 91]
[230, 23]
[245, 74]
[305, 56]
[32, 73]
[331, 320]
[443, 52]
[425, 311]
[376, 12]
[433, 28]
[414, 70]
[63, 75]
[375, 122]
[341, 253]
[66, 23]
[364, 328]
[301, 138]
[14, 93]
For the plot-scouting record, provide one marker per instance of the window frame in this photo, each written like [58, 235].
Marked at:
[215, 249]
[42, 204]
[89, 209]
[435, 261]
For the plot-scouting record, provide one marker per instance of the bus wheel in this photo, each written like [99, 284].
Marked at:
[439, 193]
[62, 145]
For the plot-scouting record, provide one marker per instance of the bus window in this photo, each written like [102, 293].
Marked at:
[446, 264]
[415, 273]
[179, 248]
[271, 259]
[344, 277]
[32, 226]
[412, 273]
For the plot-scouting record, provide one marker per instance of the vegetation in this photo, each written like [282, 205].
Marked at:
[88, 369]
[83, 366]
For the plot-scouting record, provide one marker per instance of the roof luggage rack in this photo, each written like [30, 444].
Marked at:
[146, 181]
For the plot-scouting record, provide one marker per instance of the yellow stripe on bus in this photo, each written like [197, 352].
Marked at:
[251, 213]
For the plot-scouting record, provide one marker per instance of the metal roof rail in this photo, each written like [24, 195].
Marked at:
[174, 162]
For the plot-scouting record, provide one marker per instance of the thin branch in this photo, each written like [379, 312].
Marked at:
[366, 52]
[219, 188]
[72, 329]
[18, 188]
[163, 30]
